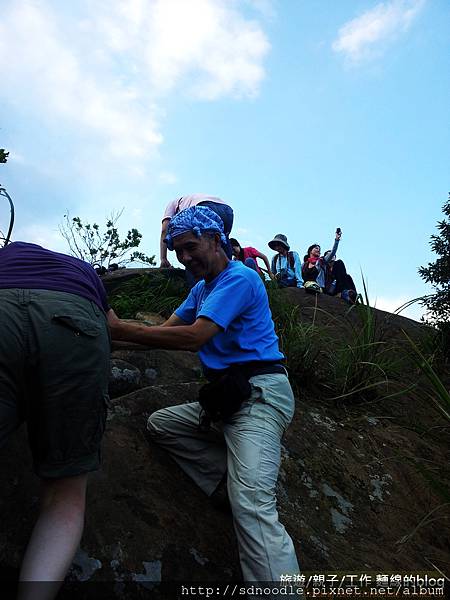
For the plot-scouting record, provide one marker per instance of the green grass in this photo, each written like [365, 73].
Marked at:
[147, 293]
[302, 343]
[349, 360]
[363, 365]
[437, 393]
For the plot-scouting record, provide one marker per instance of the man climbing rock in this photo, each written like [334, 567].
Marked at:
[54, 368]
[235, 432]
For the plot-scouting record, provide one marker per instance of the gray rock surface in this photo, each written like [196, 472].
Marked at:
[355, 488]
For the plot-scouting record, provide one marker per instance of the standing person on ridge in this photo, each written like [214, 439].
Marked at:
[219, 206]
[235, 433]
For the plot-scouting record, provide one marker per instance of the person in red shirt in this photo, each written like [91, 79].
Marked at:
[248, 256]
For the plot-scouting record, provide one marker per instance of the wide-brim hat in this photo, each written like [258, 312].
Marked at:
[280, 238]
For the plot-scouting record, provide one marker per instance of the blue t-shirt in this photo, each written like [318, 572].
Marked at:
[29, 266]
[237, 302]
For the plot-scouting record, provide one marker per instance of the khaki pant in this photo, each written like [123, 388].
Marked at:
[247, 446]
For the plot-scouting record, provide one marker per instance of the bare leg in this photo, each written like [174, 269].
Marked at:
[55, 538]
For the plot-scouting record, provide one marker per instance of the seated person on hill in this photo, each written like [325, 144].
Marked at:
[235, 434]
[248, 256]
[54, 371]
[286, 263]
[314, 266]
[337, 281]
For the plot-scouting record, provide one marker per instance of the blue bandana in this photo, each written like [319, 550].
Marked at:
[197, 220]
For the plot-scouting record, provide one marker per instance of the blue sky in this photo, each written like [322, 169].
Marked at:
[304, 115]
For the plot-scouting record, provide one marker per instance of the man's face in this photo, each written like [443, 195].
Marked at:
[199, 255]
[279, 248]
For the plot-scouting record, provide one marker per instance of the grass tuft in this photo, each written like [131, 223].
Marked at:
[155, 293]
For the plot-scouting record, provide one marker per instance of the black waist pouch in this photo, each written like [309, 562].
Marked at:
[224, 395]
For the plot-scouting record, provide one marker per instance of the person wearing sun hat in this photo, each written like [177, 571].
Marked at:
[286, 264]
[232, 435]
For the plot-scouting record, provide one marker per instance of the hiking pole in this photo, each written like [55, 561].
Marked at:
[5, 194]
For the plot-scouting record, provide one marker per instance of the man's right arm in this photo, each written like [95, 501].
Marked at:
[183, 337]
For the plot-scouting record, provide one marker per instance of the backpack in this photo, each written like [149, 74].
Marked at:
[312, 287]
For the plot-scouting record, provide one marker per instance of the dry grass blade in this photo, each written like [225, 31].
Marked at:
[443, 395]
[422, 523]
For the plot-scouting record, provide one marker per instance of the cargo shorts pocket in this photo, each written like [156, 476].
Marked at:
[84, 425]
[79, 325]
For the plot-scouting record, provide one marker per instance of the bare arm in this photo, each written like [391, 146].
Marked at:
[264, 258]
[163, 247]
[180, 337]
[334, 249]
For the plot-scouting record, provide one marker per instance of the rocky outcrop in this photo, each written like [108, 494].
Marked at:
[355, 488]
[132, 370]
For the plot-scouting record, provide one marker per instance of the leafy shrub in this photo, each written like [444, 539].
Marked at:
[101, 249]
[438, 272]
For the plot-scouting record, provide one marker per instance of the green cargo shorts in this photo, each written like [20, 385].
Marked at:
[54, 370]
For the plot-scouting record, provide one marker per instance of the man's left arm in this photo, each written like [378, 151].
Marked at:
[167, 336]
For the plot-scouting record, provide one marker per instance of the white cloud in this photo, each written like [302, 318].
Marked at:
[16, 157]
[41, 234]
[366, 36]
[265, 7]
[168, 178]
[99, 73]
[137, 214]
[241, 231]
[47, 75]
[204, 47]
